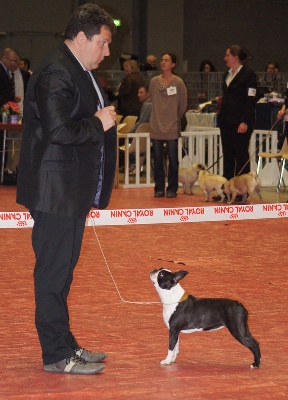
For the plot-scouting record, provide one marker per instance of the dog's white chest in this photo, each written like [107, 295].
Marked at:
[168, 310]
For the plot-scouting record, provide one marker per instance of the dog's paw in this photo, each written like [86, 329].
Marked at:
[165, 362]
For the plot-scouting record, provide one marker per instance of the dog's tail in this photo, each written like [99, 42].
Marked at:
[255, 176]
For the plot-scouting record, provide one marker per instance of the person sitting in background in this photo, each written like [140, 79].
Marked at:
[145, 112]
[128, 102]
[205, 68]
[151, 63]
[271, 79]
[272, 67]
[24, 65]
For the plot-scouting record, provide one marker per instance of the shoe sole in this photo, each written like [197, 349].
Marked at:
[76, 371]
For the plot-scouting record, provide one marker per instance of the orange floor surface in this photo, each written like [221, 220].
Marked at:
[243, 260]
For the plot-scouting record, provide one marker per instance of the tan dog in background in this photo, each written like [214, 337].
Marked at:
[243, 185]
[209, 182]
[188, 176]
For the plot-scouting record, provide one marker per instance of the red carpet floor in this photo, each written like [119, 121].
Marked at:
[244, 260]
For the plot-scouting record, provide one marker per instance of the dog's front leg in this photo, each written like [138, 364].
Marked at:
[173, 348]
[207, 194]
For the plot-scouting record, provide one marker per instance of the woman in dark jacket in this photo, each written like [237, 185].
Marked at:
[237, 112]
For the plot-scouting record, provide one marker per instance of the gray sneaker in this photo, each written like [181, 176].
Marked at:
[74, 365]
[89, 356]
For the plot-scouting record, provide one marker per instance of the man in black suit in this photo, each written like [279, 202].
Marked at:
[9, 61]
[67, 165]
[20, 80]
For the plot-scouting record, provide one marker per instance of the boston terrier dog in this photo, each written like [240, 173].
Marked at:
[186, 313]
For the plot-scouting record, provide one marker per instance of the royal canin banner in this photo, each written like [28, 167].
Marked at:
[162, 215]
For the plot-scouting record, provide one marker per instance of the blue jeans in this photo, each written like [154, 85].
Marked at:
[159, 170]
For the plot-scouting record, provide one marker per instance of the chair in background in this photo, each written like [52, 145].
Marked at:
[129, 121]
[118, 119]
[142, 128]
[279, 157]
[284, 159]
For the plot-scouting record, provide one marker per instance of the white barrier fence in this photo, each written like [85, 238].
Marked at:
[152, 216]
[202, 144]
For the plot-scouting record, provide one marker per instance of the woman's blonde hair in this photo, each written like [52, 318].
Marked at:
[134, 65]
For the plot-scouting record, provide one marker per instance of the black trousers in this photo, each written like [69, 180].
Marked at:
[235, 148]
[56, 243]
[159, 171]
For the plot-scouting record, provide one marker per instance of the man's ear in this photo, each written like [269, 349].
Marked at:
[81, 38]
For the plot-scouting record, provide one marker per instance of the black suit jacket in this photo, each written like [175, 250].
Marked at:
[5, 87]
[62, 140]
[25, 76]
[237, 105]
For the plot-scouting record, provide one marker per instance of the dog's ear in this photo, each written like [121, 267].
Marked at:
[180, 275]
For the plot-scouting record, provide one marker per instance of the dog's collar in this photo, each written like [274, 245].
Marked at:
[183, 298]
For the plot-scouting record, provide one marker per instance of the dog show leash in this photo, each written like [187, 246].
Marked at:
[185, 151]
[113, 280]
[183, 298]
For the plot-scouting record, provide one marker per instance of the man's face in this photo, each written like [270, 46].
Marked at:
[270, 68]
[151, 60]
[11, 61]
[92, 52]
[142, 94]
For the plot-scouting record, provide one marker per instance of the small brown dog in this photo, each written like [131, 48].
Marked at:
[243, 185]
[188, 176]
[209, 182]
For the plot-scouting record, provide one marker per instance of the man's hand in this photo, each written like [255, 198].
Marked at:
[242, 128]
[107, 116]
[281, 113]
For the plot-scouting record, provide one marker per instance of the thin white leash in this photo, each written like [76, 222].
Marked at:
[113, 280]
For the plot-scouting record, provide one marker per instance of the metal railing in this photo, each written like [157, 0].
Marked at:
[200, 144]
[202, 86]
